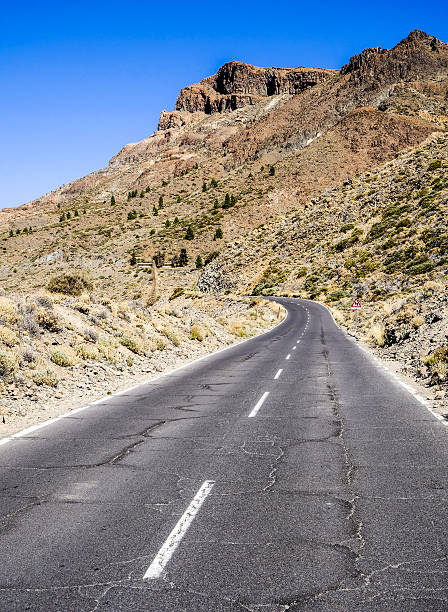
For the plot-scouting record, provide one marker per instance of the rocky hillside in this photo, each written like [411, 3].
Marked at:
[294, 134]
[306, 181]
[381, 236]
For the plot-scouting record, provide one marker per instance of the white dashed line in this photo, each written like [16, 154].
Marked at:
[259, 404]
[172, 542]
[288, 356]
[294, 348]
[277, 376]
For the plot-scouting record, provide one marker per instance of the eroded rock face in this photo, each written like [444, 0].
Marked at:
[237, 84]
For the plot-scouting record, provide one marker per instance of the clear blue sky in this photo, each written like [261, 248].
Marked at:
[81, 79]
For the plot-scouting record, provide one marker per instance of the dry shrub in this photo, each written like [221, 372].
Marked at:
[70, 283]
[8, 337]
[29, 324]
[9, 363]
[48, 319]
[107, 352]
[157, 344]
[377, 334]
[28, 355]
[169, 333]
[63, 357]
[88, 351]
[8, 310]
[90, 335]
[45, 377]
[197, 332]
[133, 344]
[238, 328]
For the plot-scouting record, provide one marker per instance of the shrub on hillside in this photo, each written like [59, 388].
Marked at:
[8, 363]
[70, 283]
[48, 320]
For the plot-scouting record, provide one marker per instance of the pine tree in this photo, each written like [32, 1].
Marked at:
[272, 171]
[161, 201]
[176, 220]
[213, 183]
[112, 200]
[179, 199]
[133, 260]
[183, 258]
[199, 262]
[167, 223]
[227, 201]
[204, 186]
[62, 217]
[142, 194]
[11, 233]
[189, 235]
[69, 215]
[76, 213]
[218, 234]
[155, 212]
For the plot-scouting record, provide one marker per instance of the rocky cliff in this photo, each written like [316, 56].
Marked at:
[237, 84]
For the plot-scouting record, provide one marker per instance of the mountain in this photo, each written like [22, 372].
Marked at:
[273, 139]
[305, 181]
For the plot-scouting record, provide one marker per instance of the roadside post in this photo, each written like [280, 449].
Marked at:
[356, 305]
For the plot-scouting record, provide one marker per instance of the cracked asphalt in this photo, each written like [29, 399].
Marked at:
[333, 497]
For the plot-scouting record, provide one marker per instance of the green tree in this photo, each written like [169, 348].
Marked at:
[76, 213]
[84, 211]
[11, 233]
[199, 262]
[25, 230]
[218, 234]
[179, 199]
[132, 214]
[204, 186]
[189, 235]
[147, 189]
[183, 258]
[62, 217]
[133, 260]
[227, 201]
[213, 183]
[152, 232]
[161, 201]
[272, 171]
[112, 200]
[176, 220]
[142, 194]
[167, 223]
[155, 212]
[69, 215]
[18, 231]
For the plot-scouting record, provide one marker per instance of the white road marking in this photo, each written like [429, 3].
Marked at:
[259, 404]
[277, 376]
[173, 540]
[288, 356]
[294, 348]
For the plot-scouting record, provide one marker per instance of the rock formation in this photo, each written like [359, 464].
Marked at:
[237, 84]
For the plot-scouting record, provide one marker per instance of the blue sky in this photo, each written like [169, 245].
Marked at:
[81, 79]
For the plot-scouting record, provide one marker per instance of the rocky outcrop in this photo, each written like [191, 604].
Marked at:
[237, 84]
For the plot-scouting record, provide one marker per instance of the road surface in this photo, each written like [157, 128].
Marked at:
[289, 472]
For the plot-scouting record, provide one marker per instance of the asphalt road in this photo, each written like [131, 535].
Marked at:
[229, 485]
